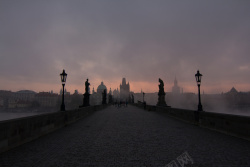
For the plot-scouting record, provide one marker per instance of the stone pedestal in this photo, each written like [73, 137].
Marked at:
[161, 99]
[85, 100]
[104, 97]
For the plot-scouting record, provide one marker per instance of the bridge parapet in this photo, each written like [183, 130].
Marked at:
[18, 131]
[234, 125]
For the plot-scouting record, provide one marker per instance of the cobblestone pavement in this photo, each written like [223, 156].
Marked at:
[130, 137]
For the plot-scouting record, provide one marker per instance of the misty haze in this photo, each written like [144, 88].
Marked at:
[124, 83]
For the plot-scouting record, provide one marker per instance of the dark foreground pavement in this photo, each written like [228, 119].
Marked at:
[130, 137]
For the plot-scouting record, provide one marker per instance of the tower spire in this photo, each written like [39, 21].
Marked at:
[175, 81]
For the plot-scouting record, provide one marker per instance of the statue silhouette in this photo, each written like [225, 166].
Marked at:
[104, 97]
[86, 95]
[161, 87]
[87, 86]
[161, 94]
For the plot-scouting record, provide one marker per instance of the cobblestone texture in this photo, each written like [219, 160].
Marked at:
[129, 137]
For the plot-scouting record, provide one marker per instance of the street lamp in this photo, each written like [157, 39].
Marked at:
[198, 76]
[63, 79]
[143, 94]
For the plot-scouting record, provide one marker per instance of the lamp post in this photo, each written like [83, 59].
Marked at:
[63, 79]
[198, 76]
[143, 94]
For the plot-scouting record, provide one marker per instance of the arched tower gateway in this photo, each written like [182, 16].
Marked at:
[124, 90]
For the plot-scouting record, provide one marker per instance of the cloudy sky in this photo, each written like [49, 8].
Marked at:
[142, 40]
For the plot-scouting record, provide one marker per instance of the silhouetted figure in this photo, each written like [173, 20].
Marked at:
[161, 86]
[161, 94]
[133, 99]
[104, 97]
[86, 94]
[87, 86]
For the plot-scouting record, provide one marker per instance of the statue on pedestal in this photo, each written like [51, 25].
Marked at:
[87, 86]
[161, 94]
[86, 95]
[104, 97]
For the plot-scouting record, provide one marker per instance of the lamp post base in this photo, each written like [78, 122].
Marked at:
[200, 107]
[62, 107]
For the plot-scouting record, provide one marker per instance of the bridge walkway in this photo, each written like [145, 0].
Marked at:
[129, 136]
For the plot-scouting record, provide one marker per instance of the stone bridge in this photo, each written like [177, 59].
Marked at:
[130, 136]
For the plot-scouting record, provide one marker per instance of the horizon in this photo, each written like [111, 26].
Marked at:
[81, 90]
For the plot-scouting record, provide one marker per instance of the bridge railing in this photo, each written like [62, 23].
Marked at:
[15, 132]
[234, 125]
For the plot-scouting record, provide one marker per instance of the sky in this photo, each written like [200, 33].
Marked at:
[141, 40]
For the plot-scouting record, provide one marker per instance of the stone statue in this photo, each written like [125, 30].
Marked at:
[161, 94]
[104, 98]
[86, 95]
[161, 87]
[87, 86]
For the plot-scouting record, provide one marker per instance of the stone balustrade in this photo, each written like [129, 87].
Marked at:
[234, 125]
[18, 131]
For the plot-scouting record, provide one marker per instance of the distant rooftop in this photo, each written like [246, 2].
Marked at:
[46, 94]
[26, 91]
[233, 90]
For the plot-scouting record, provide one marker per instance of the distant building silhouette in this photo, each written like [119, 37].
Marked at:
[1, 102]
[47, 99]
[96, 97]
[116, 95]
[65, 92]
[76, 100]
[176, 89]
[25, 95]
[101, 88]
[110, 97]
[233, 91]
[124, 90]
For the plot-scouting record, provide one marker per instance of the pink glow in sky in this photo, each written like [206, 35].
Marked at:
[141, 40]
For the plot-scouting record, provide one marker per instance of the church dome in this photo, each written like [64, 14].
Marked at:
[101, 88]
